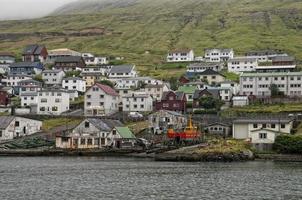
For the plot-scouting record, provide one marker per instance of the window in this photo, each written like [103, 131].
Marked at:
[273, 126]
[83, 141]
[89, 141]
[87, 124]
[0, 133]
[263, 125]
[17, 123]
[262, 135]
[88, 103]
[114, 132]
[282, 125]
[58, 100]
[101, 96]
[88, 96]
[43, 100]
[255, 125]
[101, 103]
[55, 108]
[96, 141]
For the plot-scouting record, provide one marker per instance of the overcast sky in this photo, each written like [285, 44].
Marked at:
[20, 9]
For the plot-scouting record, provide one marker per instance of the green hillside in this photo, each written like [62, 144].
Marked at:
[144, 30]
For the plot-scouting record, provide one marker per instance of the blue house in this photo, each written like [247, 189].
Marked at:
[26, 68]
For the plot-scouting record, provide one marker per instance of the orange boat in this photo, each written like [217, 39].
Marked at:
[189, 133]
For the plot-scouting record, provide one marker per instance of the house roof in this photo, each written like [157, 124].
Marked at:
[170, 112]
[27, 64]
[261, 53]
[52, 71]
[68, 59]
[107, 89]
[243, 59]
[73, 78]
[125, 132]
[137, 95]
[33, 49]
[219, 123]
[187, 89]
[30, 81]
[179, 95]
[5, 121]
[204, 64]
[283, 59]
[271, 74]
[213, 92]
[210, 72]
[104, 124]
[122, 69]
[219, 49]
[29, 94]
[260, 121]
[63, 51]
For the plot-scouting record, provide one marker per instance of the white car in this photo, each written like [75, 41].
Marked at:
[135, 115]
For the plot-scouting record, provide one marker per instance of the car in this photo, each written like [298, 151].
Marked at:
[135, 115]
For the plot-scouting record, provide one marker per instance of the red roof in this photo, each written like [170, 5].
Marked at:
[107, 89]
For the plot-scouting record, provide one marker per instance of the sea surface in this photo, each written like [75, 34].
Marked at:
[37, 178]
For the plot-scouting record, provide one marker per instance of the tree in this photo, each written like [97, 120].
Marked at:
[38, 78]
[106, 82]
[72, 74]
[274, 90]
[210, 102]
[174, 83]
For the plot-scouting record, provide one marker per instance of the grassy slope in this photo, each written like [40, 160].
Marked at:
[159, 25]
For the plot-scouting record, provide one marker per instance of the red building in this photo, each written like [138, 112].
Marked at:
[183, 80]
[4, 98]
[173, 101]
[34, 53]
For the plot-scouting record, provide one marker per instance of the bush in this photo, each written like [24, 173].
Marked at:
[288, 144]
[210, 111]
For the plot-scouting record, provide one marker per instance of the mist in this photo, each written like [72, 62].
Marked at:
[26, 9]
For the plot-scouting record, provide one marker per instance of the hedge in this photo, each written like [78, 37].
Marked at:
[288, 144]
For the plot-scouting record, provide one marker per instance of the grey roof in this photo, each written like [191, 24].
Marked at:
[25, 64]
[52, 71]
[29, 94]
[205, 64]
[213, 92]
[68, 59]
[283, 58]
[104, 124]
[179, 95]
[121, 69]
[73, 78]
[261, 53]
[243, 59]
[210, 72]
[260, 121]
[5, 121]
[33, 49]
[30, 81]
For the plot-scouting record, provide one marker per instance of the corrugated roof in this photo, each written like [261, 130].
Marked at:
[5, 121]
[260, 121]
[125, 132]
[121, 69]
[27, 64]
[271, 74]
[107, 89]
[68, 59]
[33, 49]
[243, 59]
[209, 72]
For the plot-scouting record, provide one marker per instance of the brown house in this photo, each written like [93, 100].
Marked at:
[283, 60]
[173, 101]
[183, 80]
[34, 53]
[4, 98]
[69, 63]
[204, 93]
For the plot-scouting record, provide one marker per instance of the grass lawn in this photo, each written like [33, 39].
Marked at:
[136, 127]
[56, 122]
[231, 76]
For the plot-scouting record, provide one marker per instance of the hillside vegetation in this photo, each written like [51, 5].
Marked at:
[144, 30]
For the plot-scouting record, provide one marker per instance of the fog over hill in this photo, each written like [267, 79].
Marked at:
[25, 9]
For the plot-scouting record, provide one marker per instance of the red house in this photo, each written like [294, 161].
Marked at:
[183, 80]
[173, 101]
[34, 53]
[4, 98]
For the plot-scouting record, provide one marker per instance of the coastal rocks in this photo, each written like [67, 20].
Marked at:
[206, 157]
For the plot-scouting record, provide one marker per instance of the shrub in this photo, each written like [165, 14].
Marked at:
[288, 144]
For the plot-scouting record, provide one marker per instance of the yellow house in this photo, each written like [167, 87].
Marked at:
[91, 78]
[211, 77]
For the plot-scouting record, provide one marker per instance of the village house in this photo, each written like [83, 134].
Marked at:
[181, 55]
[261, 132]
[103, 70]
[235, 87]
[202, 66]
[198, 94]
[52, 101]
[135, 83]
[4, 98]
[74, 83]
[121, 137]
[28, 86]
[90, 59]
[173, 101]
[13, 80]
[162, 120]
[53, 77]
[277, 64]
[184, 79]
[69, 63]
[264, 55]
[34, 53]
[6, 59]
[29, 99]
[13, 127]
[259, 84]
[56, 53]
[155, 90]
[239, 101]
[211, 77]
[100, 100]
[188, 91]
[197, 84]
[242, 64]
[26, 68]
[220, 128]
[218, 55]
[90, 133]
[137, 102]
[92, 77]
[122, 71]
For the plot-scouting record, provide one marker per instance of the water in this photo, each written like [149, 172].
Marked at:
[126, 178]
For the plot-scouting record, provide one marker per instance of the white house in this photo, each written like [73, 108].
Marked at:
[100, 100]
[64, 52]
[122, 71]
[13, 80]
[136, 82]
[218, 55]
[74, 83]
[52, 101]
[5, 60]
[29, 86]
[181, 55]
[121, 137]
[137, 102]
[202, 66]
[235, 87]
[29, 99]
[264, 55]
[259, 84]
[53, 77]
[12, 127]
[90, 59]
[261, 132]
[155, 90]
[239, 101]
[242, 64]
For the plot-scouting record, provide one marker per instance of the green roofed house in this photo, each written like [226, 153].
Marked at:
[189, 91]
[122, 137]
